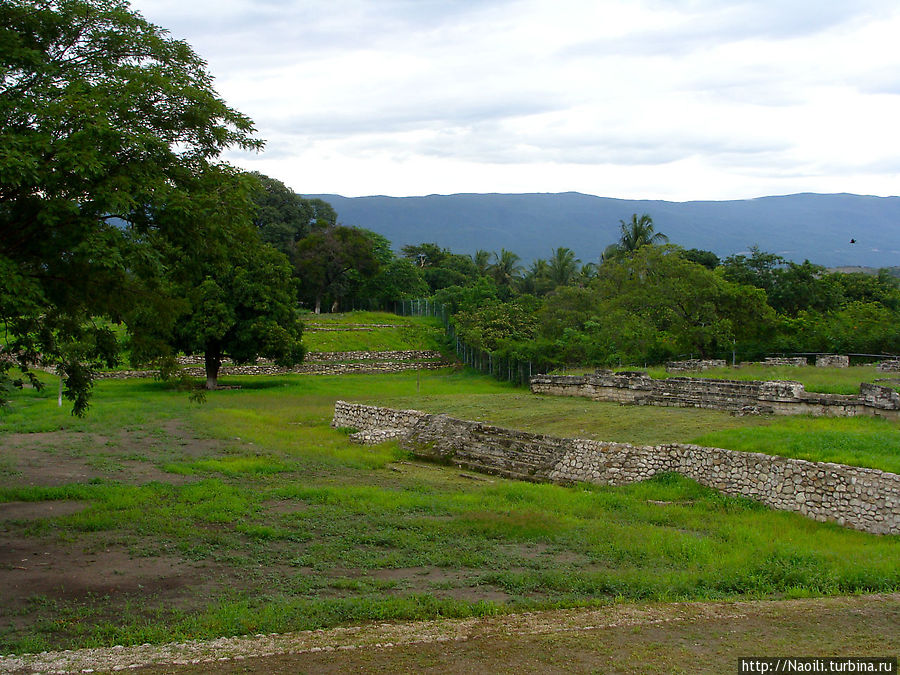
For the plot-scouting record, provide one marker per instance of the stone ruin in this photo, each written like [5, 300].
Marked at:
[863, 499]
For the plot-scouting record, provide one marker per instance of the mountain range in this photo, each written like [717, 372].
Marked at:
[817, 227]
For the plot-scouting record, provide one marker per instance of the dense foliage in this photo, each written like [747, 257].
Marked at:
[647, 302]
[105, 122]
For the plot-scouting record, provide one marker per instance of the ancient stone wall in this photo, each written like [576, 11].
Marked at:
[316, 363]
[889, 366]
[303, 368]
[694, 365]
[792, 361]
[864, 499]
[745, 397]
[398, 355]
[371, 424]
[832, 361]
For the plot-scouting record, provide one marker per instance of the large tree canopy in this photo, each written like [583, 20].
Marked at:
[283, 217]
[331, 260]
[100, 113]
[234, 295]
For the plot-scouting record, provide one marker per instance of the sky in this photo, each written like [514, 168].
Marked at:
[639, 99]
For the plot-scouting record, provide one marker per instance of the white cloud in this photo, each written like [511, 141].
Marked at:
[677, 99]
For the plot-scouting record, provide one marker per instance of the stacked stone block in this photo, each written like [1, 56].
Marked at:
[694, 365]
[792, 361]
[778, 397]
[832, 361]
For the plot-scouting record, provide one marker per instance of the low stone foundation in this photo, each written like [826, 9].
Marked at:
[832, 361]
[890, 366]
[694, 365]
[791, 361]
[863, 499]
[316, 363]
[745, 397]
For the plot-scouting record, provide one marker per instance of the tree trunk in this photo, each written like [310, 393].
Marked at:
[318, 305]
[334, 307]
[213, 361]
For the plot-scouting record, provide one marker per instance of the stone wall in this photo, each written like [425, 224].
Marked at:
[744, 397]
[864, 499]
[694, 365]
[889, 366]
[304, 368]
[371, 424]
[399, 355]
[316, 363]
[832, 361]
[792, 361]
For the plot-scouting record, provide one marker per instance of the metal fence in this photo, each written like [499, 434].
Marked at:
[516, 371]
[519, 371]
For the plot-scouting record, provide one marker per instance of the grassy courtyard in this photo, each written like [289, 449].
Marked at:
[156, 519]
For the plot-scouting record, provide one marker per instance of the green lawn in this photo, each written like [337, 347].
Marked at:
[404, 332]
[249, 514]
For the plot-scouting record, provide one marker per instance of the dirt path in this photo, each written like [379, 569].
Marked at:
[665, 638]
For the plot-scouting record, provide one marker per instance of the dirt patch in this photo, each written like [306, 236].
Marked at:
[70, 587]
[42, 567]
[285, 507]
[128, 456]
[38, 510]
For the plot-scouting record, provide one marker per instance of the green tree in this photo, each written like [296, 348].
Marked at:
[331, 260]
[398, 280]
[706, 258]
[587, 272]
[442, 267]
[636, 233]
[282, 216]
[759, 269]
[100, 112]
[233, 294]
[491, 325]
[425, 255]
[859, 287]
[536, 279]
[694, 309]
[790, 287]
[562, 268]
[506, 268]
[482, 260]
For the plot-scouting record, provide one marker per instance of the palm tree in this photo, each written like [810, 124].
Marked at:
[482, 260]
[536, 280]
[563, 266]
[506, 267]
[588, 271]
[635, 233]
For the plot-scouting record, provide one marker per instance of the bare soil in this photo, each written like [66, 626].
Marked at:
[129, 456]
[38, 571]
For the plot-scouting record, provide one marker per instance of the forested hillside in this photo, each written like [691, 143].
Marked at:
[817, 227]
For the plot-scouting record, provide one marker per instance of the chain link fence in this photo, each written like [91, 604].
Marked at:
[515, 371]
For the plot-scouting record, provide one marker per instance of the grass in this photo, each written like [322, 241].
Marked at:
[821, 380]
[292, 527]
[404, 333]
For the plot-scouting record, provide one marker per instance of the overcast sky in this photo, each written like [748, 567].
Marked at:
[656, 99]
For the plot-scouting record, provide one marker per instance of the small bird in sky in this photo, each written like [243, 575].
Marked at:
[853, 241]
